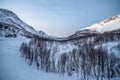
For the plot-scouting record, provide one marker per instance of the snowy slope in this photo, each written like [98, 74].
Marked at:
[107, 25]
[12, 21]
[68, 57]
[8, 17]
[13, 67]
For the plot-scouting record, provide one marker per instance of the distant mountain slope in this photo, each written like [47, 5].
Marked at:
[8, 17]
[12, 26]
[107, 25]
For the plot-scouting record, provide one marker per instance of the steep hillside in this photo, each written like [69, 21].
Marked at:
[94, 56]
[12, 26]
[107, 25]
[8, 17]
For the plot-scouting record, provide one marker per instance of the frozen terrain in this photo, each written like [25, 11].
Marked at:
[13, 67]
[107, 25]
[92, 53]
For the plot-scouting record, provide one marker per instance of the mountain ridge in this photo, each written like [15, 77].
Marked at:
[9, 17]
[106, 25]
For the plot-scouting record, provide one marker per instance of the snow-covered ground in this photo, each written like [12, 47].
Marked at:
[14, 67]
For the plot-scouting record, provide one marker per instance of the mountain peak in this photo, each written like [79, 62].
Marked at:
[9, 17]
[107, 25]
[7, 12]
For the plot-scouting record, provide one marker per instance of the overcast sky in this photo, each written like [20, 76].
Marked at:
[62, 17]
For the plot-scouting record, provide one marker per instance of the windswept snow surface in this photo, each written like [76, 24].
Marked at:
[14, 67]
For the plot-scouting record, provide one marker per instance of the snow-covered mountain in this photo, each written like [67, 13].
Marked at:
[12, 26]
[107, 25]
[8, 17]
[90, 53]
